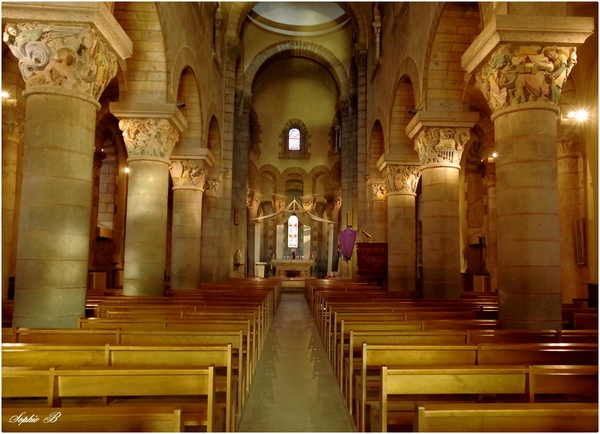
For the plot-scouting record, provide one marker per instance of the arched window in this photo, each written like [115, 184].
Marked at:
[294, 139]
[293, 232]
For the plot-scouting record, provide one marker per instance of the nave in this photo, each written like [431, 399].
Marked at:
[295, 388]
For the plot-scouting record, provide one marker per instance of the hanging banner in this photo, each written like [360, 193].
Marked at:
[347, 240]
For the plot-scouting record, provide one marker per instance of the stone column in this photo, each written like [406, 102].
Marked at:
[570, 182]
[210, 236]
[253, 203]
[188, 177]
[150, 136]
[12, 136]
[440, 139]
[402, 180]
[378, 193]
[65, 68]
[522, 84]
[491, 241]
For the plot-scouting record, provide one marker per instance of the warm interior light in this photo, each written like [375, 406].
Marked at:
[127, 170]
[495, 154]
[579, 115]
[5, 94]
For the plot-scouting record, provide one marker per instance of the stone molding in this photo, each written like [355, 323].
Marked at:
[149, 137]
[188, 173]
[569, 147]
[74, 58]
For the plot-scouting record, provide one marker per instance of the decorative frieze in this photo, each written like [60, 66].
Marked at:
[188, 173]
[402, 178]
[149, 137]
[441, 145]
[517, 74]
[71, 57]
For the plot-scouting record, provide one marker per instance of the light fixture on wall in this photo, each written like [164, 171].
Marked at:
[365, 174]
[127, 170]
[413, 110]
[578, 115]
[224, 170]
[180, 104]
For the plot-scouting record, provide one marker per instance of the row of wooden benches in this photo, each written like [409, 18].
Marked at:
[365, 329]
[226, 333]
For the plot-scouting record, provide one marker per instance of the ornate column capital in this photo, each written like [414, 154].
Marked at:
[488, 171]
[188, 173]
[516, 74]
[402, 178]
[361, 56]
[253, 201]
[13, 125]
[377, 188]
[68, 57]
[334, 202]
[440, 137]
[278, 202]
[568, 147]
[308, 203]
[149, 137]
[211, 186]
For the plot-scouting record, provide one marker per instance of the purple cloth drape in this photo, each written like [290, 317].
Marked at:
[347, 240]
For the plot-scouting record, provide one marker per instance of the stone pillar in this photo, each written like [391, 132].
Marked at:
[150, 136]
[253, 203]
[65, 68]
[402, 181]
[570, 182]
[440, 139]
[522, 84]
[491, 240]
[12, 136]
[188, 177]
[210, 235]
[377, 194]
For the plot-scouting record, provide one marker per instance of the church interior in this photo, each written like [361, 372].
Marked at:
[279, 216]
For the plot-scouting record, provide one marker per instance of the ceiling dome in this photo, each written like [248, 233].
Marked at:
[298, 18]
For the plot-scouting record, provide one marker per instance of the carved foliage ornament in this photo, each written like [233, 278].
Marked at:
[378, 190]
[211, 186]
[308, 203]
[13, 125]
[517, 74]
[441, 145]
[253, 203]
[402, 178]
[71, 57]
[151, 137]
[188, 173]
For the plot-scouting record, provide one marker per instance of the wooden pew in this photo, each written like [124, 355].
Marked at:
[572, 383]
[442, 383]
[93, 419]
[193, 390]
[506, 417]
[46, 356]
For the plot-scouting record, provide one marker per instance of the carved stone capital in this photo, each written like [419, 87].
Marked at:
[13, 125]
[74, 58]
[402, 178]
[516, 74]
[211, 186]
[188, 173]
[149, 137]
[254, 202]
[377, 188]
[361, 58]
[278, 203]
[233, 52]
[441, 146]
[308, 203]
[334, 203]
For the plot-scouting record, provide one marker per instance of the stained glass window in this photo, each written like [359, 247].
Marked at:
[293, 232]
[294, 139]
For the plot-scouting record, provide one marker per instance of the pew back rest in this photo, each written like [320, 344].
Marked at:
[499, 417]
[537, 354]
[577, 380]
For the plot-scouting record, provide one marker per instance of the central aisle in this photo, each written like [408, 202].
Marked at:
[294, 388]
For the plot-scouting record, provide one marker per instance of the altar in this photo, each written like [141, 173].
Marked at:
[301, 265]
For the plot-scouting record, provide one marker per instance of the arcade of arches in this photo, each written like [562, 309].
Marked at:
[142, 141]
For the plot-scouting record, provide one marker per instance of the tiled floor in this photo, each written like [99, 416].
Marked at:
[294, 388]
